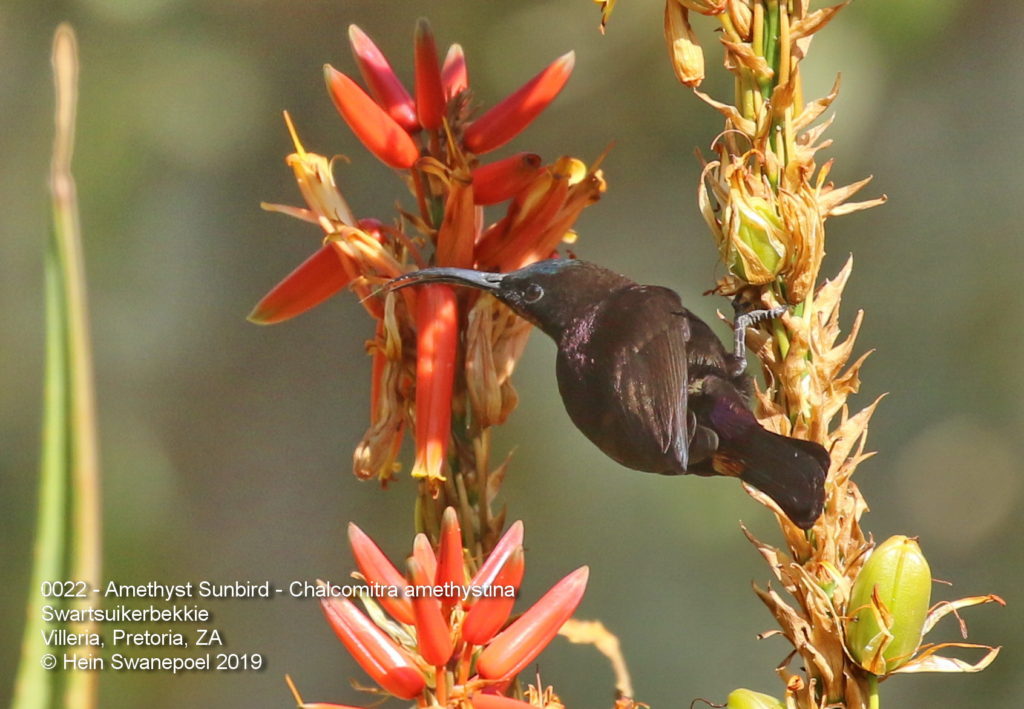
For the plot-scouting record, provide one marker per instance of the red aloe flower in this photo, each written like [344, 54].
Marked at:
[315, 280]
[501, 552]
[437, 344]
[424, 555]
[451, 569]
[385, 87]
[456, 236]
[517, 645]
[389, 665]
[378, 131]
[489, 613]
[430, 98]
[432, 635]
[506, 120]
[377, 569]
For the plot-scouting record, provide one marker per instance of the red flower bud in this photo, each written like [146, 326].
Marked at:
[512, 538]
[423, 553]
[376, 653]
[450, 567]
[315, 280]
[429, 92]
[490, 612]
[385, 87]
[504, 121]
[376, 568]
[518, 644]
[432, 636]
[378, 131]
[453, 73]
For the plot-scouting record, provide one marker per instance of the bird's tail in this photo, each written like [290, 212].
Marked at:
[790, 471]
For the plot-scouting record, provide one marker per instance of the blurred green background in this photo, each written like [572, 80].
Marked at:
[226, 447]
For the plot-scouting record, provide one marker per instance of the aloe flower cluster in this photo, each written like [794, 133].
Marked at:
[440, 634]
[441, 359]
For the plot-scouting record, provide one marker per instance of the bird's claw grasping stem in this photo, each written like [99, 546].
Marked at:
[740, 325]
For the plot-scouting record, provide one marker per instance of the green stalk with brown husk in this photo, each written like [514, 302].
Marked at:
[853, 614]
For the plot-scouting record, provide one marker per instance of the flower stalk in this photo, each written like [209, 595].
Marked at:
[766, 201]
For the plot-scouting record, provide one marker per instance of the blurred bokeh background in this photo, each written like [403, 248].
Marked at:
[226, 447]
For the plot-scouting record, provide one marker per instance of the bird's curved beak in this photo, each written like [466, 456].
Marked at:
[481, 280]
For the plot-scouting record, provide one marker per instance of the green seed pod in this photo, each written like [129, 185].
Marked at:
[758, 247]
[747, 699]
[888, 605]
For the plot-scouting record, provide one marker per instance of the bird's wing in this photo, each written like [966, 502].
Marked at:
[650, 371]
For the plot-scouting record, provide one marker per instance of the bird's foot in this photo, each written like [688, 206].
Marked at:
[740, 325]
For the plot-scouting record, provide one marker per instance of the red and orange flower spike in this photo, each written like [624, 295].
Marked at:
[385, 87]
[452, 643]
[506, 120]
[430, 99]
[517, 645]
[377, 130]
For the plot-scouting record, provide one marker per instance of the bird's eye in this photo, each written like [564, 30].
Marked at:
[532, 293]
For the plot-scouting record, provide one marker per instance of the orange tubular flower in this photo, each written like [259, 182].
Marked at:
[430, 98]
[385, 87]
[378, 131]
[437, 347]
[376, 568]
[424, 555]
[530, 214]
[458, 227]
[390, 666]
[501, 552]
[315, 280]
[489, 613]
[518, 644]
[450, 565]
[504, 179]
[432, 637]
[506, 120]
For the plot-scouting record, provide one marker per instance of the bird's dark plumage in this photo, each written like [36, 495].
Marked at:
[648, 382]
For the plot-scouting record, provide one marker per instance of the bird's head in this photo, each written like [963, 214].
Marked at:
[551, 294]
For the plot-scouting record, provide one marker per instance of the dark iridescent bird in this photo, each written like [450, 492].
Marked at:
[648, 382]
